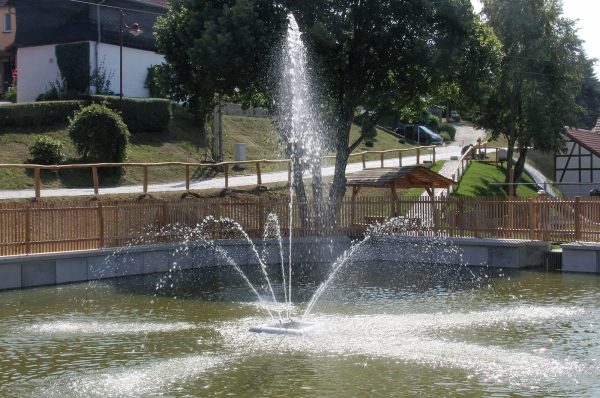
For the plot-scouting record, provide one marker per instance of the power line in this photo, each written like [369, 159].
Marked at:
[120, 8]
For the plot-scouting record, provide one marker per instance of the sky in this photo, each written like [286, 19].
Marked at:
[587, 15]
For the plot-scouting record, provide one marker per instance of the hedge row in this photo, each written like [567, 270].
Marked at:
[140, 114]
[148, 115]
[30, 114]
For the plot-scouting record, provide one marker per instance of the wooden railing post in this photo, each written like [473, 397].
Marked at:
[145, 180]
[434, 155]
[95, 180]
[364, 160]
[187, 177]
[258, 174]
[577, 218]
[382, 160]
[226, 170]
[290, 173]
[100, 225]
[418, 155]
[37, 182]
[400, 158]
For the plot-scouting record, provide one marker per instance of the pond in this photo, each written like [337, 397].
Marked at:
[384, 329]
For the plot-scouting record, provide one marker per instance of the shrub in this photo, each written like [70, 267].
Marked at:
[46, 150]
[73, 60]
[448, 128]
[11, 94]
[433, 122]
[142, 115]
[31, 114]
[99, 134]
[445, 136]
[369, 144]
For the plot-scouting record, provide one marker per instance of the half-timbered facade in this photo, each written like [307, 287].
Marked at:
[577, 169]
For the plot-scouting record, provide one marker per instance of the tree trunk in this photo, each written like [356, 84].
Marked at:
[510, 152]
[520, 165]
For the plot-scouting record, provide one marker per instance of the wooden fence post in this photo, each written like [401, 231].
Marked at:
[37, 182]
[532, 219]
[364, 161]
[400, 158]
[381, 156]
[418, 155]
[145, 180]
[187, 177]
[226, 170]
[100, 225]
[95, 180]
[290, 173]
[434, 155]
[28, 229]
[577, 218]
[258, 174]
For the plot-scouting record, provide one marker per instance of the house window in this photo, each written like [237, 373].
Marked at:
[7, 22]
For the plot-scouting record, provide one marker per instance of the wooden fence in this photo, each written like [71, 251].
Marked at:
[39, 227]
[225, 166]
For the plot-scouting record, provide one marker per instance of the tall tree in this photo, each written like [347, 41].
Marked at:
[217, 48]
[589, 96]
[378, 56]
[535, 94]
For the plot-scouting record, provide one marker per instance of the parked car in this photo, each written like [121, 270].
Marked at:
[455, 116]
[428, 137]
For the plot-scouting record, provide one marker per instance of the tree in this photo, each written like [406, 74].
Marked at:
[534, 96]
[589, 97]
[216, 48]
[380, 56]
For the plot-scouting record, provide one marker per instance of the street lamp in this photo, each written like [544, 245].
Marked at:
[135, 30]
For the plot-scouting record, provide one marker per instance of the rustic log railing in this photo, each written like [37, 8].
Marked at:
[225, 166]
[38, 227]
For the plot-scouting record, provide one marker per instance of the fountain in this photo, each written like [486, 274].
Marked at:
[387, 324]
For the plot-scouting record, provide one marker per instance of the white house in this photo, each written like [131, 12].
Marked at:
[577, 170]
[44, 24]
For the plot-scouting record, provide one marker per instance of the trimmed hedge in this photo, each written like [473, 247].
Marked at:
[142, 115]
[29, 114]
[448, 128]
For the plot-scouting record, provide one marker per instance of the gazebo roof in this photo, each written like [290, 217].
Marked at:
[399, 177]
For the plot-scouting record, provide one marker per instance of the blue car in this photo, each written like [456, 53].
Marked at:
[428, 137]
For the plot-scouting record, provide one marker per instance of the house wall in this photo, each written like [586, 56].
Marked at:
[37, 67]
[578, 166]
[135, 67]
[7, 38]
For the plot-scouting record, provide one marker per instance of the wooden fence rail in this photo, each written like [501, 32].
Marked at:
[225, 166]
[39, 227]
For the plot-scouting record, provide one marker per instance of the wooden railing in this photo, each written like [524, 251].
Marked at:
[187, 166]
[38, 227]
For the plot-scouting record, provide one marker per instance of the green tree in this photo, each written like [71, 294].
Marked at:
[589, 97]
[216, 48]
[379, 56]
[534, 96]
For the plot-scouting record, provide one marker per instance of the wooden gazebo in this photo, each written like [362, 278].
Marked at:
[395, 178]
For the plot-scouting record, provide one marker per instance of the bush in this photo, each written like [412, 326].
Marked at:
[46, 150]
[31, 114]
[73, 60]
[11, 94]
[369, 144]
[445, 136]
[142, 115]
[448, 128]
[99, 134]
[433, 122]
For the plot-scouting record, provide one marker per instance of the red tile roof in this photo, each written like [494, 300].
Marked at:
[590, 140]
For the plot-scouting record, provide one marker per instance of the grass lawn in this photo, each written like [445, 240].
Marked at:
[182, 143]
[478, 176]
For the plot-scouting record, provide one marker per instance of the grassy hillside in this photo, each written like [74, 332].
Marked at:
[182, 142]
[476, 180]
